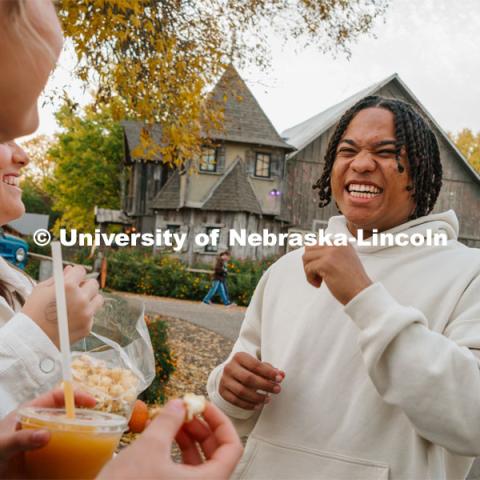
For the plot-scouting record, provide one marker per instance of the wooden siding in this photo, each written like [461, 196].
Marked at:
[194, 221]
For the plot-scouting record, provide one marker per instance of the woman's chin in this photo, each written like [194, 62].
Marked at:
[14, 212]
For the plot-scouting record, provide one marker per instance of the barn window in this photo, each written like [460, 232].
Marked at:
[173, 228]
[209, 247]
[263, 163]
[208, 160]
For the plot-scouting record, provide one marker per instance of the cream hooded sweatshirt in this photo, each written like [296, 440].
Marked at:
[385, 387]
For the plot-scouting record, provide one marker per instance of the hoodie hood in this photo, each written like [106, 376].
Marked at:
[445, 223]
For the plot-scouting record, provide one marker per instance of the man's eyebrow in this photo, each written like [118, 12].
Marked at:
[385, 142]
[377, 144]
[347, 140]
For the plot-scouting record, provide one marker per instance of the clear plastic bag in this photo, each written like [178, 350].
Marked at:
[115, 363]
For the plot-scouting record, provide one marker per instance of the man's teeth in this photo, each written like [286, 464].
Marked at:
[11, 180]
[363, 191]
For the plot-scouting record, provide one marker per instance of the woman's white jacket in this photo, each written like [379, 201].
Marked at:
[29, 361]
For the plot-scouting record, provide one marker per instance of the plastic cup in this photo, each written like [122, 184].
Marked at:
[78, 448]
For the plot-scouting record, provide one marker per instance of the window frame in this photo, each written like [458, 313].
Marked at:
[215, 160]
[264, 154]
[176, 229]
[173, 227]
[212, 248]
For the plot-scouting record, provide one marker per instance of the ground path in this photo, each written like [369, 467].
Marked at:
[225, 321]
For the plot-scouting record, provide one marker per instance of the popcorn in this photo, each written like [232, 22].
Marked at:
[115, 389]
[195, 405]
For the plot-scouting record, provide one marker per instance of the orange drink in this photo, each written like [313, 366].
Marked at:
[78, 448]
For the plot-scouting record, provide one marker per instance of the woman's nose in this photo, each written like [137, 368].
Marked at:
[19, 156]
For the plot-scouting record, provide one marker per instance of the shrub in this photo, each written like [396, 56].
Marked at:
[164, 362]
[246, 275]
[138, 271]
[125, 269]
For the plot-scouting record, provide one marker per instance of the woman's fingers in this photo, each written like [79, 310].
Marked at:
[216, 436]
[82, 399]
[97, 303]
[189, 449]
[56, 399]
[230, 447]
[90, 288]
[22, 441]
[201, 433]
[75, 275]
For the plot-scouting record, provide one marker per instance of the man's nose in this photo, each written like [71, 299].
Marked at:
[363, 162]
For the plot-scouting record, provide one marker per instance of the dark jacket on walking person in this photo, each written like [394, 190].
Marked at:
[219, 280]
[220, 271]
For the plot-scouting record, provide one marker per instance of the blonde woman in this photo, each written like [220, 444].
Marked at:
[31, 41]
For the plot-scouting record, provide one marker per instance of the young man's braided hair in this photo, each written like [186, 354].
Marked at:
[412, 132]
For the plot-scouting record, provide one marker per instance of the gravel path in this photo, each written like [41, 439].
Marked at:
[197, 352]
[225, 321]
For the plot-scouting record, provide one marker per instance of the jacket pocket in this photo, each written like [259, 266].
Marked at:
[264, 460]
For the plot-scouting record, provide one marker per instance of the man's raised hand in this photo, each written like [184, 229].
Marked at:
[339, 267]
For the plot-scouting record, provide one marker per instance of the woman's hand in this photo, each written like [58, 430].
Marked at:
[14, 442]
[150, 455]
[83, 300]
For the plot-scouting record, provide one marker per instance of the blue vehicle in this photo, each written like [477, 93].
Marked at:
[13, 249]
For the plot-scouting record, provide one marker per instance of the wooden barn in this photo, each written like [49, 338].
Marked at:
[461, 183]
[237, 184]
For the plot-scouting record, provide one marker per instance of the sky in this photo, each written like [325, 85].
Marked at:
[432, 44]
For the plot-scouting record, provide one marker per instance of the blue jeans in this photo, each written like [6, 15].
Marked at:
[219, 286]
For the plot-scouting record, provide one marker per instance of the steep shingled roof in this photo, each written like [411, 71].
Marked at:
[233, 192]
[169, 196]
[133, 129]
[244, 120]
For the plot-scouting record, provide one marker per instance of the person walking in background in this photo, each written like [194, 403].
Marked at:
[220, 280]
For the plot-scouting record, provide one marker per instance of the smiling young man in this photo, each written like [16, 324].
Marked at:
[360, 362]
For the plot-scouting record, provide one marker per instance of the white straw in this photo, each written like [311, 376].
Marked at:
[62, 317]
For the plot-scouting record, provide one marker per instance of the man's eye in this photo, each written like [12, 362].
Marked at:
[386, 153]
[347, 151]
